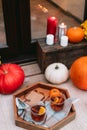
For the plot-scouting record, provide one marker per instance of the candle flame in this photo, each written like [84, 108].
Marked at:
[44, 9]
[62, 23]
[53, 17]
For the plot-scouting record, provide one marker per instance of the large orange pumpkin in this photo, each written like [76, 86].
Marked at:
[75, 34]
[78, 72]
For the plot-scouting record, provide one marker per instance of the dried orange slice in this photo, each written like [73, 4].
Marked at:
[54, 92]
[42, 110]
[56, 100]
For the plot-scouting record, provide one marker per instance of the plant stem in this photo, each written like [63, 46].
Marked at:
[56, 67]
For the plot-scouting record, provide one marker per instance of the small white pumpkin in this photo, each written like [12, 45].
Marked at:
[57, 73]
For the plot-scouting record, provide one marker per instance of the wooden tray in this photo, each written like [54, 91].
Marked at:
[41, 88]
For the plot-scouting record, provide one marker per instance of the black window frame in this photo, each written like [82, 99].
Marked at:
[85, 10]
[17, 22]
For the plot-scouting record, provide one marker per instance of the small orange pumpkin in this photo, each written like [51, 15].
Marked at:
[78, 73]
[75, 34]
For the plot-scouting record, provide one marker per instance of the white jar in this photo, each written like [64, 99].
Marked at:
[50, 39]
[64, 41]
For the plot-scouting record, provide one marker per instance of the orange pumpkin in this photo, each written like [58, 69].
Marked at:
[75, 34]
[78, 73]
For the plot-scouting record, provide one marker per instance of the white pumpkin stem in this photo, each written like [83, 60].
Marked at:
[56, 67]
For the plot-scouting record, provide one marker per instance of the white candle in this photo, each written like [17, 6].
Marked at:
[50, 39]
[64, 41]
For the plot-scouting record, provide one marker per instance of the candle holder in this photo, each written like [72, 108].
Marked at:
[62, 28]
[50, 39]
[64, 41]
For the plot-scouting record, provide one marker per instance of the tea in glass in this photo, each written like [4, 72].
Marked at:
[57, 102]
[38, 113]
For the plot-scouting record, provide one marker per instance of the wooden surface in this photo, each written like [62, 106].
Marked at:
[49, 54]
[7, 121]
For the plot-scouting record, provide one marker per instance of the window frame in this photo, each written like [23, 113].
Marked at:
[85, 10]
[18, 32]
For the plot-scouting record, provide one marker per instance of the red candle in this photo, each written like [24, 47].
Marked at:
[51, 25]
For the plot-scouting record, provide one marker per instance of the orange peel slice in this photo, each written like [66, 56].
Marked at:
[42, 110]
[54, 92]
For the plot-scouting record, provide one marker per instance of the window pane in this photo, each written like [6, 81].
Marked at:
[40, 11]
[2, 28]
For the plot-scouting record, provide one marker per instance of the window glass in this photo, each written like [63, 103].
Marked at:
[2, 28]
[41, 10]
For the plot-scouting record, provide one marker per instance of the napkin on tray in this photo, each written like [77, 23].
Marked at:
[52, 116]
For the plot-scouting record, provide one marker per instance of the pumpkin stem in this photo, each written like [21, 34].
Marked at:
[5, 71]
[56, 67]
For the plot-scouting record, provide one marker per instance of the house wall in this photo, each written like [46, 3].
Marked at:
[74, 7]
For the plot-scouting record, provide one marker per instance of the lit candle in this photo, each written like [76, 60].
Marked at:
[64, 41]
[51, 25]
[62, 30]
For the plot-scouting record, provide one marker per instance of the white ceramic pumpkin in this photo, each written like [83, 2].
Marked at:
[57, 73]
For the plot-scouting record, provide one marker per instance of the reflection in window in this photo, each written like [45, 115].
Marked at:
[40, 11]
[2, 28]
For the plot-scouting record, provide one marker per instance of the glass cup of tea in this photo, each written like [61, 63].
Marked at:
[57, 102]
[38, 113]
